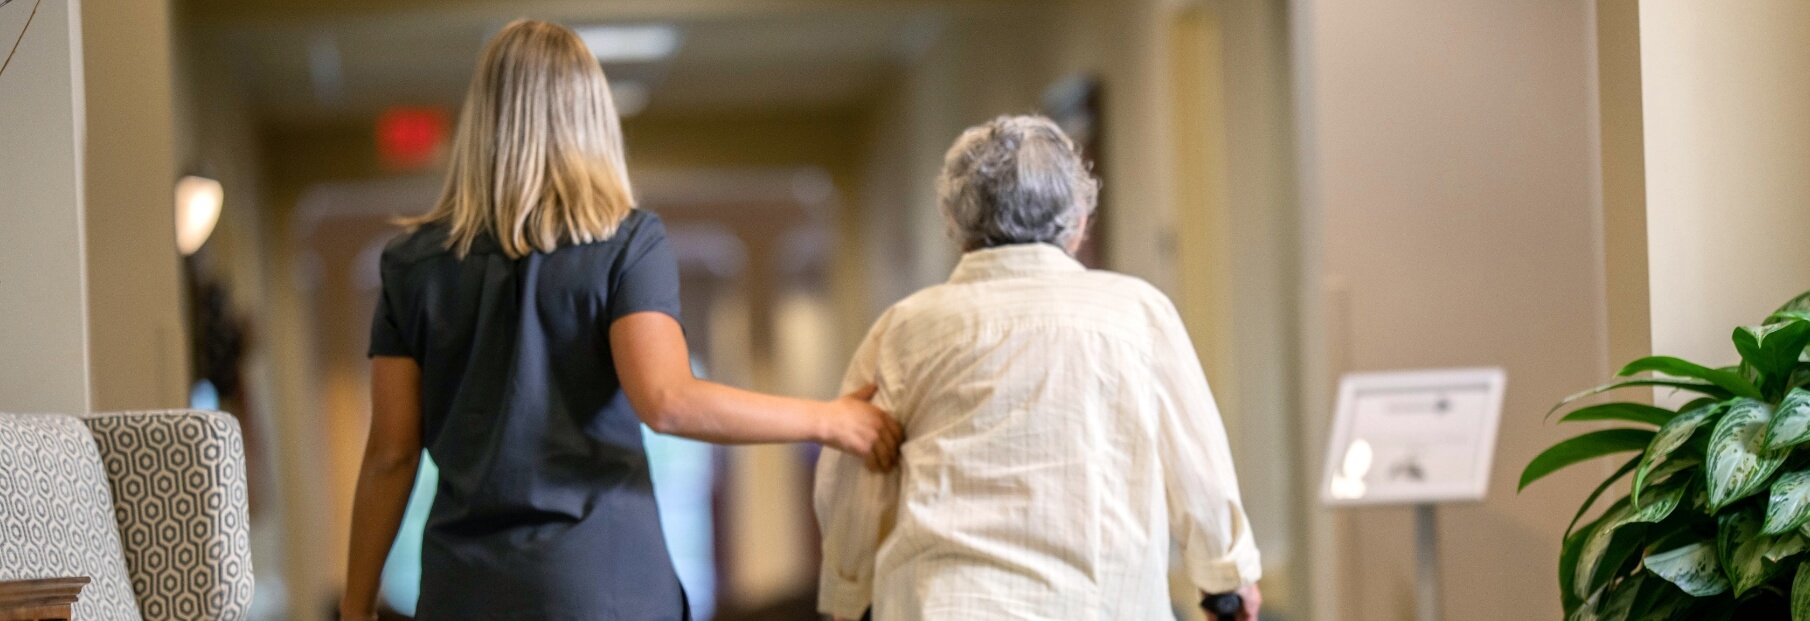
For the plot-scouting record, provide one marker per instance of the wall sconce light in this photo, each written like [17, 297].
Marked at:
[198, 201]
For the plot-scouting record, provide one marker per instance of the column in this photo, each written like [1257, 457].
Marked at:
[1726, 95]
[43, 293]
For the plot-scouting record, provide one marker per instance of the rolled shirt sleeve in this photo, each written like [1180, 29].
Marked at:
[855, 507]
[1207, 517]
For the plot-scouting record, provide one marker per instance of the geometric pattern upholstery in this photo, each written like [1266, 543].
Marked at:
[56, 515]
[178, 482]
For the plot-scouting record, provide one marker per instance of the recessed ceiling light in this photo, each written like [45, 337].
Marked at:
[636, 43]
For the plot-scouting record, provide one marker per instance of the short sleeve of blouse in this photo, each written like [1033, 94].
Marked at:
[648, 279]
[386, 328]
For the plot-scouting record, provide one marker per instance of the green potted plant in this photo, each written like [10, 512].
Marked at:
[1714, 523]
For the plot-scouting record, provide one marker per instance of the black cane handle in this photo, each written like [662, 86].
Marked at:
[1223, 607]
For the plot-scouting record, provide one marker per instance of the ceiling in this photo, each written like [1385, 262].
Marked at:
[322, 61]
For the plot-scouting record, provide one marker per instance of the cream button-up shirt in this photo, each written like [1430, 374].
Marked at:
[1060, 434]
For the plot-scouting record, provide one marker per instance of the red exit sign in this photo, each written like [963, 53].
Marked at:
[411, 137]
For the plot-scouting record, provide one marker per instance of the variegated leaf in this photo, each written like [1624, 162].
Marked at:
[1692, 567]
[1786, 546]
[1799, 304]
[1772, 350]
[1618, 600]
[1590, 501]
[1671, 467]
[1597, 544]
[1666, 608]
[1790, 422]
[1800, 593]
[1670, 436]
[1586, 611]
[1789, 505]
[1659, 506]
[1738, 464]
[1703, 388]
[1742, 549]
[1732, 383]
[1611, 603]
[1749, 339]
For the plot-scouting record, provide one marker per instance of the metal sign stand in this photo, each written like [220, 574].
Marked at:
[1419, 439]
[1426, 562]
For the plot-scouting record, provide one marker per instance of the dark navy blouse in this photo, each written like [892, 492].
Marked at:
[545, 508]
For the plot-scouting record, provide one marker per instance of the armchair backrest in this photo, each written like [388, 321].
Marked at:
[178, 483]
[56, 513]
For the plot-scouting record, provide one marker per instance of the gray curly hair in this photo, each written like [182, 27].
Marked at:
[1016, 180]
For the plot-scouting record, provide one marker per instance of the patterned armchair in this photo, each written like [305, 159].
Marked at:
[150, 505]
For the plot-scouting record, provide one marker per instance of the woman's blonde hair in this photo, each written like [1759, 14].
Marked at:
[537, 158]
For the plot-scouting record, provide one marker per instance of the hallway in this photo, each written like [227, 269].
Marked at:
[1322, 188]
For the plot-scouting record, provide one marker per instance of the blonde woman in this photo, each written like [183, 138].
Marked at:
[527, 327]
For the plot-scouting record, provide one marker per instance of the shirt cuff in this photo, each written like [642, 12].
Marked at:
[843, 598]
[1226, 574]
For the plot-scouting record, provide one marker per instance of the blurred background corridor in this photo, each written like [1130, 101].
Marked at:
[1322, 187]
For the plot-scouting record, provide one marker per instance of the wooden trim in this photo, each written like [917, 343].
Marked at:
[45, 599]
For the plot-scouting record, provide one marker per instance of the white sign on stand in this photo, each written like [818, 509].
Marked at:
[1417, 438]
[1413, 437]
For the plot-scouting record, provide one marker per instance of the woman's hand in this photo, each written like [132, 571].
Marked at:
[853, 425]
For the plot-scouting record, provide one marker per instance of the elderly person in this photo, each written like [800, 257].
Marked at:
[1060, 433]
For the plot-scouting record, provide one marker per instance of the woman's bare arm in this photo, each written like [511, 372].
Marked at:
[655, 367]
[392, 456]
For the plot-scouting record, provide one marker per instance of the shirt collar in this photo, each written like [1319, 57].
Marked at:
[1011, 261]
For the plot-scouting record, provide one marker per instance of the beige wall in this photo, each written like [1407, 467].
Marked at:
[1624, 189]
[972, 70]
[139, 349]
[1450, 176]
[1727, 104]
[983, 66]
[42, 267]
[43, 292]
[91, 296]
[1126, 46]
